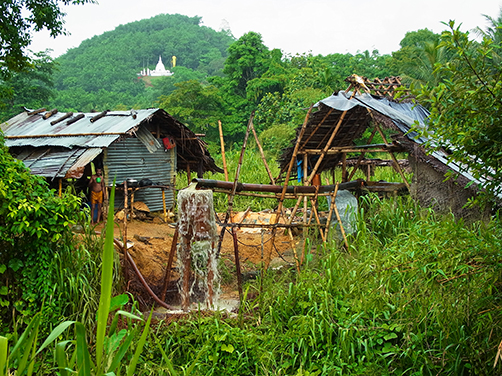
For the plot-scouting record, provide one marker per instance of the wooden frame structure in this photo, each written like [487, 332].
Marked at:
[323, 142]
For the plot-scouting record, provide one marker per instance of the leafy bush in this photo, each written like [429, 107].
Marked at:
[277, 137]
[35, 231]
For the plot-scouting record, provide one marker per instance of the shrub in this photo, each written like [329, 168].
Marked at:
[35, 226]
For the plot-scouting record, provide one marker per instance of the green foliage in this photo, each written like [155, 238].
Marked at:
[416, 60]
[112, 349]
[277, 137]
[197, 106]
[418, 295]
[465, 116]
[35, 226]
[248, 58]
[18, 20]
[30, 88]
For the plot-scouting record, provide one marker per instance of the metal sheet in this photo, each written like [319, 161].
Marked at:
[150, 142]
[77, 169]
[130, 159]
[51, 164]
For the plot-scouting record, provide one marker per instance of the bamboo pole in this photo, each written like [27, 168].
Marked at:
[222, 142]
[132, 203]
[344, 167]
[305, 205]
[341, 227]
[60, 187]
[272, 181]
[237, 263]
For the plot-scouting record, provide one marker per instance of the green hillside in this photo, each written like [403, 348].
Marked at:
[108, 63]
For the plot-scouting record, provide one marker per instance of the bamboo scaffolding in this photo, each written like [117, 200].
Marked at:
[327, 147]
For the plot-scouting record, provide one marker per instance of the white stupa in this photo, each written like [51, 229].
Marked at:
[160, 70]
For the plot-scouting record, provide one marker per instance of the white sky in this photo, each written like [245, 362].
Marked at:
[294, 26]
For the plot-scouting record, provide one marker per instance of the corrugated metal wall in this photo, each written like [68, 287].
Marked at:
[130, 159]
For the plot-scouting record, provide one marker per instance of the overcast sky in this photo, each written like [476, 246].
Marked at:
[294, 26]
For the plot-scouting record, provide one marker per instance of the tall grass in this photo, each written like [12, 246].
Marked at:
[419, 294]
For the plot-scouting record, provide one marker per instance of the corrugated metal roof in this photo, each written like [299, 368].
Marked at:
[81, 133]
[51, 163]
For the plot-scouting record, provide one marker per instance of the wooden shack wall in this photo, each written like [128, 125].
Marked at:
[130, 159]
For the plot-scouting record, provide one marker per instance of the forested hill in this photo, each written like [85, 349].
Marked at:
[109, 63]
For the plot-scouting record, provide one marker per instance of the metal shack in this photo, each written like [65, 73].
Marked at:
[141, 145]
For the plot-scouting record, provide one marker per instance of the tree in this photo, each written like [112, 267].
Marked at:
[248, 58]
[197, 106]
[416, 60]
[30, 88]
[466, 106]
[19, 19]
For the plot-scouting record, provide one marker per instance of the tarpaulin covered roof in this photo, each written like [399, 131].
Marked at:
[405, 116]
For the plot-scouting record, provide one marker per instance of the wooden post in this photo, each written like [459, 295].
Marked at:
[126, 194]
[169, 264]
[189, 177]
[344, 167]
[132, 203]
[229, 210]
[222, 142]
[305, 206]
[60, 187]
[237, 263]
[330, 212]
[164, 205]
